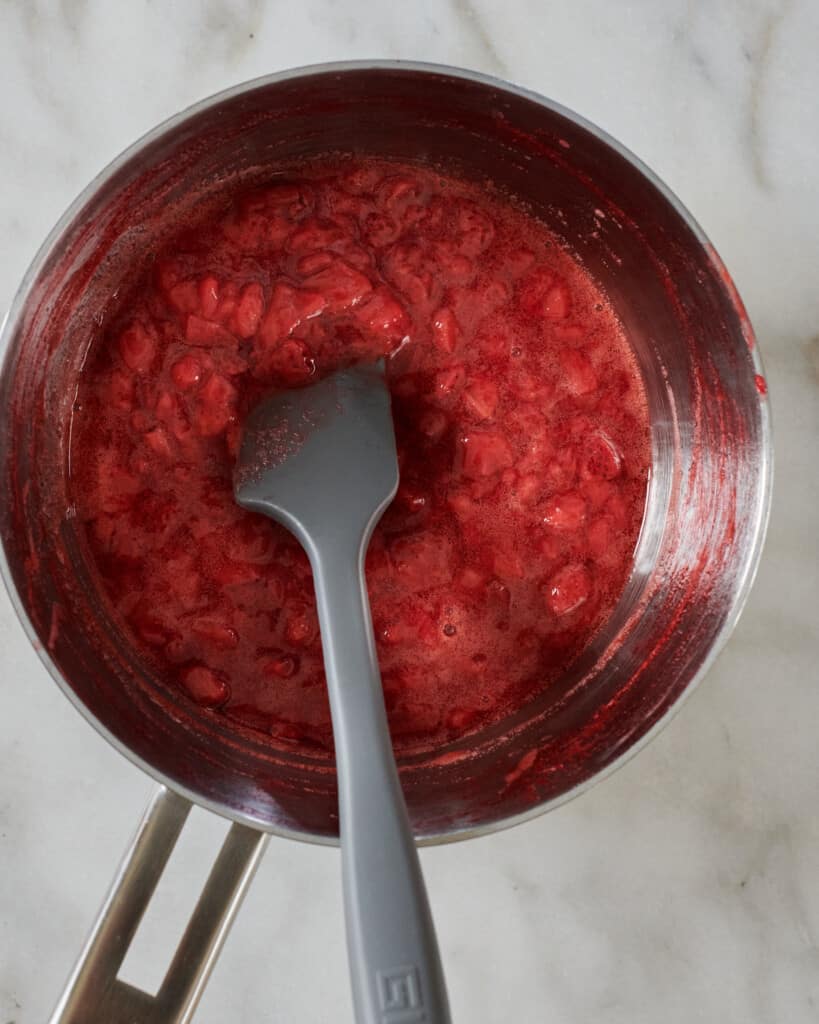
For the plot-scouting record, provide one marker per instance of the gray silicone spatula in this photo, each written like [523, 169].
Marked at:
[321, 460]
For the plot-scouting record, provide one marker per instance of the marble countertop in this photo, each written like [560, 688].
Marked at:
[682, 889]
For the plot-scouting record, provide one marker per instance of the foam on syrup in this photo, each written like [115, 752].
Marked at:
[521, 425]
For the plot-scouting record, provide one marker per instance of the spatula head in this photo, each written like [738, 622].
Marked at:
[321, 459]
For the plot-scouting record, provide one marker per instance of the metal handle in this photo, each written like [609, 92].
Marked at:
[394, 960]
[94, 994]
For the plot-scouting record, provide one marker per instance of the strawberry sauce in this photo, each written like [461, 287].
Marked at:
[522, 433]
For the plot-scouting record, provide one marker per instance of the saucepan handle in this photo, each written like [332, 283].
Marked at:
[94, 994]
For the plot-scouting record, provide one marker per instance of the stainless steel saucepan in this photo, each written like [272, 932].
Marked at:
[695, 561]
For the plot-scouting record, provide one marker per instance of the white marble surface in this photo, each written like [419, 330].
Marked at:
[686, 887]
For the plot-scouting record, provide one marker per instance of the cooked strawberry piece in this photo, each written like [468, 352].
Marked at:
[519, 261]
[556, 302]
[532, 387]
[184, 581]
[169, 410]
[600, 537]
[410, 507]
[532, 290]
[120, 390]
[568, 589]
[184, 297]
[301, 626]
[528, 488]
[228, 300]
[206, 333]
[248, 540]
[499, 597]
[150, 627]
[167, 273]
[406, 267]
[452, 265]
[496, 342]
[208, 297]
[601, 458]
[560, 470]
[398, 191]
[279, 666]
[597, 491]
[617, 511]
[573, 335]
[230, 573]
[290, 362]
[565, 511]
[481, 398]
[470, 579]
[422, 560]
[137, 346]
[208, 688]
[459, 719]
[488, 295]
[445, 329]
[395, 633]
[484, 453]
[550, 545]
[508, 563]
[449, 382]
[362, 179]
[288, 307]
[216, 633]
[313, 235]
[247, 314]
[157, 440]
[433, 424]
[579, 377]
[341, 286]
[114, 487]
[383, 315]
[474, 229]
[216, 406]
[165, 407]
[463, 503]
[267, 217]
[294, 200]
[250, 231]
[313, 263]
[187, 372]
[380, 230]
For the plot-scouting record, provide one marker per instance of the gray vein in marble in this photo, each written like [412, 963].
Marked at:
[760, 68]
[73, 12]
[812, 352]
[55, 105]
[490, 57]
[683, 35]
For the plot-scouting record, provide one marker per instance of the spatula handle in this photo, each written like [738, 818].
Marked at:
[394, 961]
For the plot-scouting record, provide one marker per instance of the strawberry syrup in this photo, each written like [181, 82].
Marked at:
[522, 433]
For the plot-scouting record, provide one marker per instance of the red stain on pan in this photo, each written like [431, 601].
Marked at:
[731, 288]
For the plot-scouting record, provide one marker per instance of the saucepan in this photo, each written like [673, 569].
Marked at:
[694, 563]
